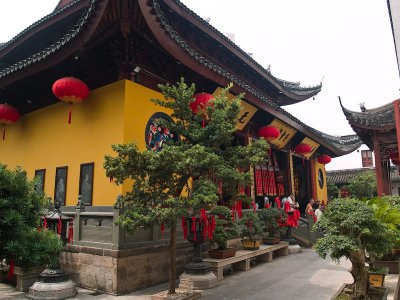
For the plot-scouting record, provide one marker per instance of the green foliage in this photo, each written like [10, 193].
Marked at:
[393, 200]
[158, 178]
[271, 219]
[363, 185]
[35, 248]
[385, 211]
[20, 206]
[251, 225]
[225, 228]
[333, 190]
[351, 225]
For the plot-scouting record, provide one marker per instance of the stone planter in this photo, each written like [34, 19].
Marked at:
[393, 265]
[220, 254]
[377, 279]
[384, 297]
[271, 240]
[251, 244]
[27, 277]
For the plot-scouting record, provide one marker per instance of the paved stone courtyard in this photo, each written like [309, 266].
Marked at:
[296, 276]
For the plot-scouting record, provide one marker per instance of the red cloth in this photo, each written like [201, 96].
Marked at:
[11, 270]
[194, 227]
[278, 202]
[59, 226]
[71, 232]
[259, 182]
[184, 227]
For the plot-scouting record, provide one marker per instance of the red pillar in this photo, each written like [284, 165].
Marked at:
[382, 178]
[397, 121]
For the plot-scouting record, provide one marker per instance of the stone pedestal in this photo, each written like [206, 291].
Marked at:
[198, 281]
[294, 249]
[53, 284]
[27, 277]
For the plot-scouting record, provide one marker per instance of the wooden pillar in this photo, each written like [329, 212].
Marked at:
[313, 185]
[382, 179]
[396, 105]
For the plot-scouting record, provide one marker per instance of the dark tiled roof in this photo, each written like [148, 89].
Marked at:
[292, 87]
[343, 145]
[344, 176]
[37, 23]
[377, 117]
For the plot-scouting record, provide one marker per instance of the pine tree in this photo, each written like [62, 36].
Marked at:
[181, 177]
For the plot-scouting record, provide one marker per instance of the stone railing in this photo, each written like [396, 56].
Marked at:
[94, 226]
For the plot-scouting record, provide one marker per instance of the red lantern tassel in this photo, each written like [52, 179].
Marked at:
[162, 229]
[303, 161]
[69, 116]
[194, 227]
[184, 227]
[4, 132]
[71, 232]
[45, 223]
[11, 270]
[240, 209]
[254, 206]
[59, 226]
[111, 179]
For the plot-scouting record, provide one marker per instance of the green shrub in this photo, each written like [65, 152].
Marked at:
[225, 228]
[35, 248]
[272, 219]
[250, 225]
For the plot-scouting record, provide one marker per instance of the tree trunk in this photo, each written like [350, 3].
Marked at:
[172, 259]
[360, 274]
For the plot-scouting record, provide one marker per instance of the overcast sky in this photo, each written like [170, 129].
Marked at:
[347, 44]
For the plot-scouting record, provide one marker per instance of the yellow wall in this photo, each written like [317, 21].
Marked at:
[43, 139]
[138, 111]
[322, 194]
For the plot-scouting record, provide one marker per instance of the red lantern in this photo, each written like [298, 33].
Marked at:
[324, 159]
[269, 133]
[302, 149]
[201, 100]
[70, 90]
[8, 115]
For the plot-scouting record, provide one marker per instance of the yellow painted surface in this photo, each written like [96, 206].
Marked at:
[246, 113]
[138, 111]
[314, 146]
[322, 194]
[43, 139]
[286, 133]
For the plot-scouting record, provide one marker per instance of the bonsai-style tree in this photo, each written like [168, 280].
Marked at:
[250, 225]
[363, 185]
[351, 230]
[333, 190]
[20, 207]
[162, 189]
[273, 221]
[225, 228]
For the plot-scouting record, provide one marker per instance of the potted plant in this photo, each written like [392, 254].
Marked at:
[273, 221]
[250, 228]
[225, 229]
[32, 254]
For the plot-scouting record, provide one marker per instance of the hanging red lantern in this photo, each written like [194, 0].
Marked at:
[302, 149]
[324, 159]
[8, 115]
[269, 132]
[201, 100]
[70, 90]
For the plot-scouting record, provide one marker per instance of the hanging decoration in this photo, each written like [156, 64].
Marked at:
[70, 90]
[302, 149]
[394, 156]
[269, 133]
[8, 115]
[324, 159]
[200, 103]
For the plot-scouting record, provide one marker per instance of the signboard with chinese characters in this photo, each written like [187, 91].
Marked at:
[285, 133]
[245, 114]
[314, 146]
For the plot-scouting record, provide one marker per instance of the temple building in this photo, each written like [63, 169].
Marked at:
[122, 49]
[379, 129]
